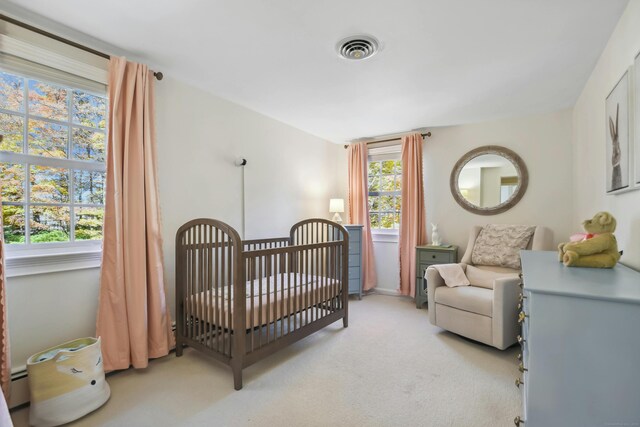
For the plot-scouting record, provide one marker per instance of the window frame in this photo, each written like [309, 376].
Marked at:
[24, 256]
[390, 153]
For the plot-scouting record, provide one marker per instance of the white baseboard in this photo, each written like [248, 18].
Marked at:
[19, 392]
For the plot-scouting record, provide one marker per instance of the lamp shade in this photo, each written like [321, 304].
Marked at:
[336, 205]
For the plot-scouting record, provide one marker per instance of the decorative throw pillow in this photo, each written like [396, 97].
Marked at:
[500, 245]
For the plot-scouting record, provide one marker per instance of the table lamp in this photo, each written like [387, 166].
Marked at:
[336, 206]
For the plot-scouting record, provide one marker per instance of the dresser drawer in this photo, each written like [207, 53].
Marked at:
[433, 257]
[354, 247]
[354, 260]
[354, 272]
[354, 286]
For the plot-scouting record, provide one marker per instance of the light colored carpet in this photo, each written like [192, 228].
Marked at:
[391, 367]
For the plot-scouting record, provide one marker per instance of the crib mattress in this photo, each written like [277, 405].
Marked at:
[274, 298]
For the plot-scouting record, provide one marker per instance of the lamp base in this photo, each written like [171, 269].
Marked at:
[337, 218]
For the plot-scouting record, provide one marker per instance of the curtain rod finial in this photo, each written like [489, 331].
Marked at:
[428, 134]
[158, 75]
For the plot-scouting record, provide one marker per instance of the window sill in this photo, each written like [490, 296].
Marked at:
[24, 264]
[384, 237]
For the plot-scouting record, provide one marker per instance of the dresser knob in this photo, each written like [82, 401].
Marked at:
[521, 367]
[517, 421]
[520, 275]
[521, 340]
[519, 382]
[521, 297]
[522, 316]
[519, 356]
[519, 306]
[433, 256]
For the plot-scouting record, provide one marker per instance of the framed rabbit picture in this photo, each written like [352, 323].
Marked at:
[617, 150]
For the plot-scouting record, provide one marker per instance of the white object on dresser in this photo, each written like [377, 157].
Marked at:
[435, 235]
[581, 344]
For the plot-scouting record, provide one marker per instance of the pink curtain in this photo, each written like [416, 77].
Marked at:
[5, 358]
[359, 209]
[133, 320]
[413, 219]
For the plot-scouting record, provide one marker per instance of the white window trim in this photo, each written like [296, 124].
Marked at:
[47, 57]
[385, 235]
[53, 259]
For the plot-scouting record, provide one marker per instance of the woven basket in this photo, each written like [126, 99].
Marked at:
[66, 382]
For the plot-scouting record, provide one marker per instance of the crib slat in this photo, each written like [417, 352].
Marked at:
[283, 261]
[316, 292]
[222, 292]
[191, 317]
[268, 260]
[230, 281]
[252, 269]
[306, 284]
[296, 308]
[200, 282]
[217, 285]
[260, 302]
[209, 317]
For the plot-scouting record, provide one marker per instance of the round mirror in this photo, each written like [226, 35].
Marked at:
[489, 180]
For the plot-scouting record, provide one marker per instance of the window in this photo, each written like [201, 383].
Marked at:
[385, 194]
[52, 163]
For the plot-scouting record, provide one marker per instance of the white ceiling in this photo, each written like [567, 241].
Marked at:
[443, 62]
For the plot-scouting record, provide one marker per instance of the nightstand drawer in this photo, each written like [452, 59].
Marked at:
[422, 268]
[433, 257]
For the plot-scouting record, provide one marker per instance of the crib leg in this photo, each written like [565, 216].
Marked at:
[237, 377]
[345, 321]
[178, 348]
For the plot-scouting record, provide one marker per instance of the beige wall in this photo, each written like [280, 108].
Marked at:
[490, 179]
[543, 142]
[290, 175]
[589, 133]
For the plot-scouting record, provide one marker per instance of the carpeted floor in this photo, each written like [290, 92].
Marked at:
[391, 367]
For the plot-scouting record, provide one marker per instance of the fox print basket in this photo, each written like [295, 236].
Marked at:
[66, 382]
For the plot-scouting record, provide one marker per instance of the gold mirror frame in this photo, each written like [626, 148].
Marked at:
[518, 163]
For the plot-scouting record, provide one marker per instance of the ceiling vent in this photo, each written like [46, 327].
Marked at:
[358, 47]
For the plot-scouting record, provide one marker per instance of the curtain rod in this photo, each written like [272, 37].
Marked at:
[158, 75]
[428, 134]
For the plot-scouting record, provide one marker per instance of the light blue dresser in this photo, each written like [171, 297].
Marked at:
[355, 259]
[580, 361]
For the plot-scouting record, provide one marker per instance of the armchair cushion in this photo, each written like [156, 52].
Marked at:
[468, 298]
[485, 278]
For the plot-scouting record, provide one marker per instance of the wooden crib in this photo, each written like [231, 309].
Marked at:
[240, 301]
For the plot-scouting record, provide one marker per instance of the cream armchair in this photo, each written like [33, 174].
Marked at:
[486, 310]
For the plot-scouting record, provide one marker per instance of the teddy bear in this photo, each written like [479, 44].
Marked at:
[597, 248]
